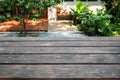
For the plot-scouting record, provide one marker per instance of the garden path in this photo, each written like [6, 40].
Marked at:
[61, 26]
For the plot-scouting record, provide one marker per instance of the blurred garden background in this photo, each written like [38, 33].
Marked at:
[88, 17]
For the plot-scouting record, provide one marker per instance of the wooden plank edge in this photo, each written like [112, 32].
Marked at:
[58, 39]
[59, 78]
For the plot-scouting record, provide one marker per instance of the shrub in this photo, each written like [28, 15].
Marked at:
[80, 8]
[2, 18]
[98, 24]
[113, 8]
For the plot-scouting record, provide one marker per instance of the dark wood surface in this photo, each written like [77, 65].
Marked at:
[60, 58]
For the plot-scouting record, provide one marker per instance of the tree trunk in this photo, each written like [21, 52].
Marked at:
[24, 21]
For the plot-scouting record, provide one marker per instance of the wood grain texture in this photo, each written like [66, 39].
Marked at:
[62, 43]
[24, 39]
[60, 71]
[59, 78]
[56, 50]
[60, 58]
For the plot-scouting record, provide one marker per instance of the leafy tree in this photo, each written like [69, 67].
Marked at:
[22, 10]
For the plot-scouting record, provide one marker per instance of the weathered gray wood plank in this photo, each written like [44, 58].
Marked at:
[17, 39]
[59, 78]
[59, 71]
[89, 57]
[63, 43]
[59, 49]
[61, 58]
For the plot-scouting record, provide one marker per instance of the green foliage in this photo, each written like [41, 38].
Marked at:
[113, 8]
[97, 24]
[19, 19]
[80, 8]
[48, 3]
[35, 16]
[115, 29]
[2, 18]
[22, 10]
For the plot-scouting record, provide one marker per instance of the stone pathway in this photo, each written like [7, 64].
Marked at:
[61, 26]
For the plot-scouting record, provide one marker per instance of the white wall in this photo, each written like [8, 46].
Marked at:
[67, 5]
